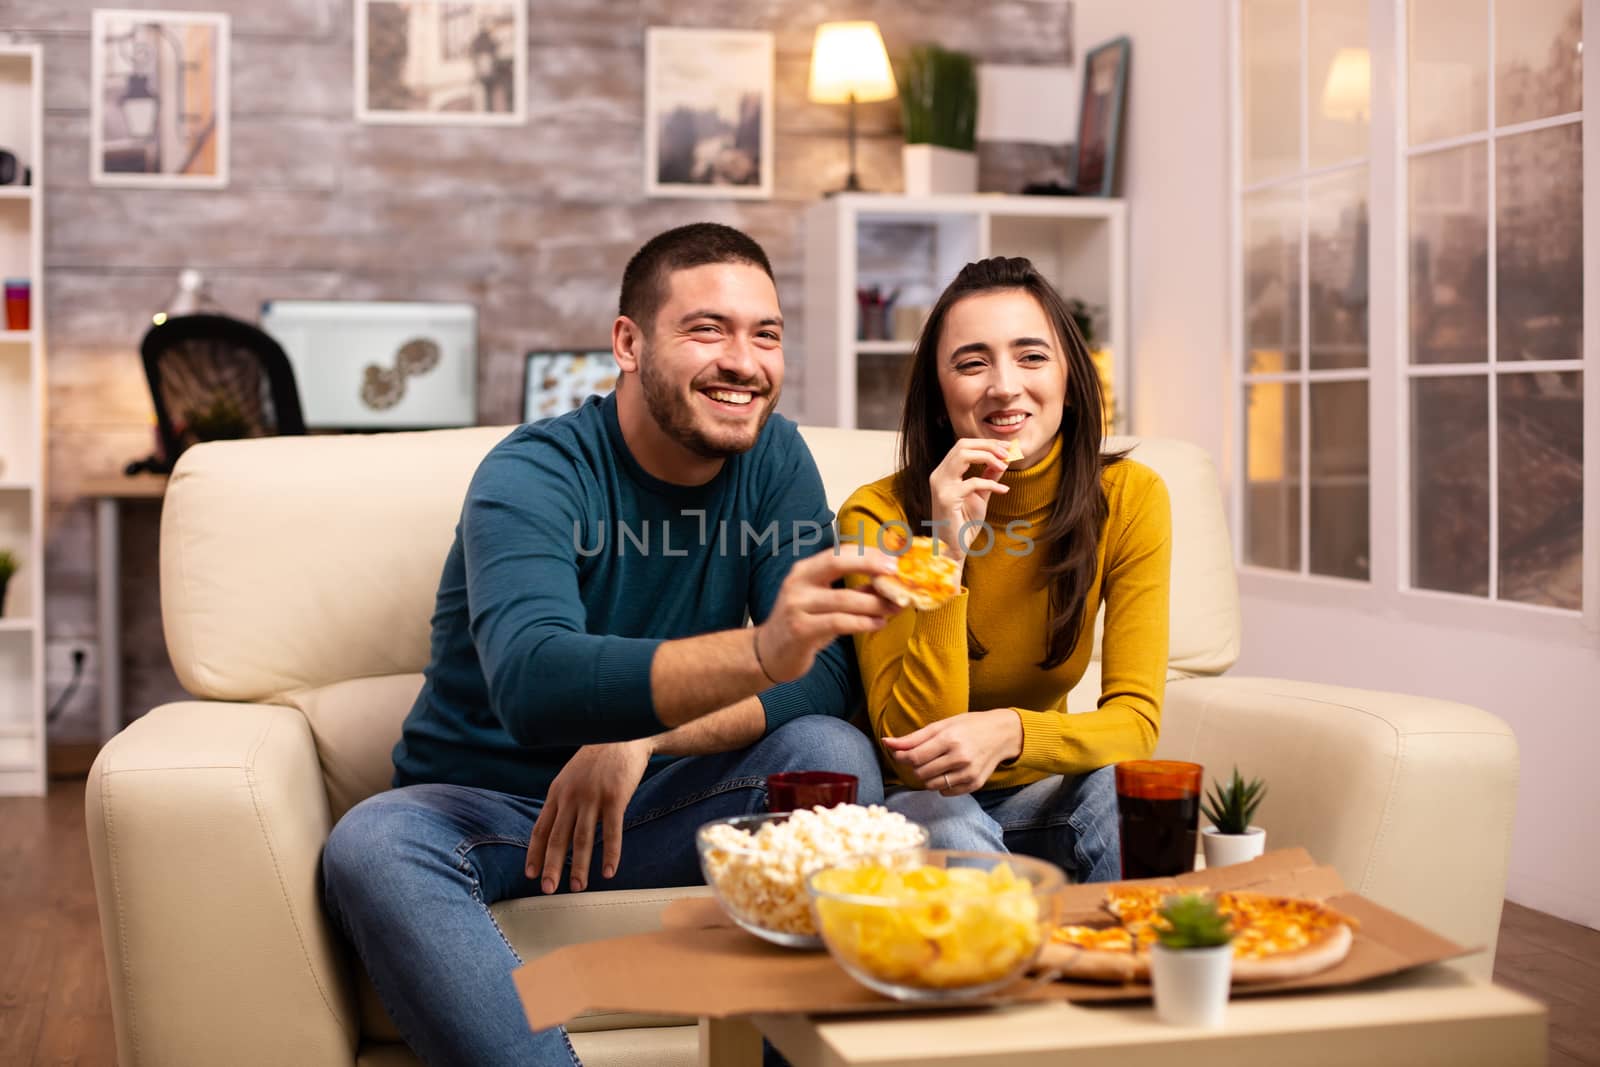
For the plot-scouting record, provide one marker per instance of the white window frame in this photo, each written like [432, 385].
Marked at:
[1386, 592]
[1304, 377]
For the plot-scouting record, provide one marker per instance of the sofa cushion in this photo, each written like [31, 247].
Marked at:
[356, 724]
[290, 563]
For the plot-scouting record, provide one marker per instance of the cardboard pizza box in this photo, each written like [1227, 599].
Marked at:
[700, 964]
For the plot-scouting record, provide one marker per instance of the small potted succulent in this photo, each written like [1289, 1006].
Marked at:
[1191, 963]
[1232, 838]
[8, 567]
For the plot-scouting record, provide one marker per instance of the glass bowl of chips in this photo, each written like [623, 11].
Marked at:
[958, 925]
[757, 864]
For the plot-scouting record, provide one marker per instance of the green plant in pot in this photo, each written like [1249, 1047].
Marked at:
[1191, 963]
[1232, 837]
[939, 108]
[8, 567]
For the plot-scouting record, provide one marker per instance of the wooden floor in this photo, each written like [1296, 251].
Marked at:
[55, 1008]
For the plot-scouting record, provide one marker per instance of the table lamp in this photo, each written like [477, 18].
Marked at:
[849, 63]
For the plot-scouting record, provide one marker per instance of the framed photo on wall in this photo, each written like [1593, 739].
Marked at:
[557, 382]
[1105, 87]
[379, 365]
[441, 62]
[158, 99]
[708, 113]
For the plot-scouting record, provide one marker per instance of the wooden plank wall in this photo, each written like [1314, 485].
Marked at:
[533, 224]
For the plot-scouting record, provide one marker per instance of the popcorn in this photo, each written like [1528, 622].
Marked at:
[761, 876]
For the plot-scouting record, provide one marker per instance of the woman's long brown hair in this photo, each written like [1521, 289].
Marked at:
[1071, 536]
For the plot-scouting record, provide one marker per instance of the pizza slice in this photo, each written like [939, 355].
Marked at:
[1095, 954]
[1275, 938]
[1284, 937]
[926, 579]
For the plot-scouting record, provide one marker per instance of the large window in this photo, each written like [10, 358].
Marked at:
[1494, 164]
[1464, 210]
[1303, 220]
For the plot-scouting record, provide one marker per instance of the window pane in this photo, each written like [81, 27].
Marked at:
[1272, 280]
[1339, 485]
[1270, 32]
[1340, 81]
[1447, 84]
[1450, 484]
[1539, 244]
[1337, 259]
[1272, 466]
[1538, 59]
[1541, 488]
[1449, 244]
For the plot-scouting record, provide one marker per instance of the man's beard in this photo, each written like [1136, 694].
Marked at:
[674, 412]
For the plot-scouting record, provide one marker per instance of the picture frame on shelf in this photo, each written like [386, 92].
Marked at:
[1100, 117]
[158, 99]
[437, 63]
[557, 381]
[708, 113]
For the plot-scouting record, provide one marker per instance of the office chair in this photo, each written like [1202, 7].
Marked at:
[214, 378]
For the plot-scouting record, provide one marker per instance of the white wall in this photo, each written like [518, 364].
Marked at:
[1176, 178]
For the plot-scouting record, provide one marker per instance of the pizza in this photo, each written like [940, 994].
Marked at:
[1273, 937]
[927, 577]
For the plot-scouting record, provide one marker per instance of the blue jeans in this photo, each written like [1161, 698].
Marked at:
[1072, 822]
[408, 876]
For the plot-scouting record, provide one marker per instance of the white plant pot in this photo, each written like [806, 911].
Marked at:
[1223, 850]
[931, 169]
[1191, 984]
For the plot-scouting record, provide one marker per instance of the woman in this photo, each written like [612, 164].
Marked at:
[968, 701]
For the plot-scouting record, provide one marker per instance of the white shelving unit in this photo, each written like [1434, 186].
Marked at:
[916, 244]
[22, 449]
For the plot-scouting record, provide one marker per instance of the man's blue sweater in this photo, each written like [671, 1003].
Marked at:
[570, 565]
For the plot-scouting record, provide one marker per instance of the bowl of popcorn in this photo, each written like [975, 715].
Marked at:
[955, 926]
[757, 864]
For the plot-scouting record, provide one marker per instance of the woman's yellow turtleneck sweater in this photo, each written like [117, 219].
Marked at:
[916, 670]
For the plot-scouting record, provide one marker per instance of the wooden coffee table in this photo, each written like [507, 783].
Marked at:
[1433, 1015]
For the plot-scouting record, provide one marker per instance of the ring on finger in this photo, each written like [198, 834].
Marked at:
[947, 779]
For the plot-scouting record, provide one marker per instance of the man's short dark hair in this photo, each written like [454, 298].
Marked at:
[644, 282]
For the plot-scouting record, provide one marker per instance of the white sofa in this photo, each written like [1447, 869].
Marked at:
[298, 576]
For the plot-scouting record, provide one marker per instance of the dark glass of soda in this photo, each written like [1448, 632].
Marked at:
[1158, 816]
[793, 790]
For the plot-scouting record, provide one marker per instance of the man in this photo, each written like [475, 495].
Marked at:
[590, 666]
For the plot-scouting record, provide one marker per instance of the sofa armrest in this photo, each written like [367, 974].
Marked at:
[1411, 799]
[206, 824]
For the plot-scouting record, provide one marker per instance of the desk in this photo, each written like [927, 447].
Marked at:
[108, 495]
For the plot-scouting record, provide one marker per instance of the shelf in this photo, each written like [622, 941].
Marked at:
[16, 337]
[16, 626]
[882, 205]
[17, 192]
[8, 730]
[16, 486]
[885, 348]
